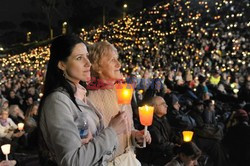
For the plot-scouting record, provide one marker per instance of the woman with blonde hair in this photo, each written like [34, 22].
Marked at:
[16, 114]
[105, 72]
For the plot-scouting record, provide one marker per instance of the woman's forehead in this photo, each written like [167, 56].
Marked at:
[79, 48]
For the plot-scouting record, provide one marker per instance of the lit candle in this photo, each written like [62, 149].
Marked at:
[235, 91]
[146, 117]
[6, 150]
[20, 126]
[187, 136]
[124, 93]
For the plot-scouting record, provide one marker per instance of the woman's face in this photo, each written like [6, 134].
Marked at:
[35, 110]
[5, 115]
[16, 110]
[109, 68]
[77, 66]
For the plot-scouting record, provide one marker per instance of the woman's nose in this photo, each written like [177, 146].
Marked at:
[87, 63]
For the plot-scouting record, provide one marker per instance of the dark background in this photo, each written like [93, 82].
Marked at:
[17, 17]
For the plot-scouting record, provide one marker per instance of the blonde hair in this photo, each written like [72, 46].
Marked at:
[4, 110]
[96, 52]
[12, 110]
[29, 111]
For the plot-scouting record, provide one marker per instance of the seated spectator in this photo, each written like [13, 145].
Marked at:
[177, 119]
[31, 117]
[244, 93]
[208, 137]
[237, 140]
[160, 151]
[27, 102]
[156, 88]
[7, 128]
[16, 114]
[202, 89]
[188, 154]
[5, 103]
[209, 114]
[169, 81]
[12, 98]
[215, 78]
[31, 120]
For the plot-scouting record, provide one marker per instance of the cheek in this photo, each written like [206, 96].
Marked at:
[74, 68]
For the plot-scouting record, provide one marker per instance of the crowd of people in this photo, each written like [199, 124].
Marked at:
[189, 59]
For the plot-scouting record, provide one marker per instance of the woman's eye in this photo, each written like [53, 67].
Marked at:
[78, 58]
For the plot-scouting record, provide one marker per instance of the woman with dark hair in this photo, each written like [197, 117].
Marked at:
[30, 125]
[31, 117]
[72, 129]
[188, 154]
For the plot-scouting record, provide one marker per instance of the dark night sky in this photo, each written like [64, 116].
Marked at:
[17, 17]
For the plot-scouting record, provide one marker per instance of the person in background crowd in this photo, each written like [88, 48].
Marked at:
[13, 99]
[7, 128]
[16, 114]
[160, 151]
[178, 120]
[28, 101]
[237, 141]
[31, 117]
[244, 93]
[30, 125]
[188, 154]
[202, 89]
[207, 136]
[215, 78]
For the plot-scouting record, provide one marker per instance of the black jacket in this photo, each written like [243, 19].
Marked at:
[160, 151]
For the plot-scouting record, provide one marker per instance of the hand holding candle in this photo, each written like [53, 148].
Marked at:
[6, 150]
[146, 117]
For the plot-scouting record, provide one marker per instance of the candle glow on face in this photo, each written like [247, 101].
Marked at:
[146, 115]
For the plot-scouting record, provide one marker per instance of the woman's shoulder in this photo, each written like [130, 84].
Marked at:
[58, 94]
[58, 100]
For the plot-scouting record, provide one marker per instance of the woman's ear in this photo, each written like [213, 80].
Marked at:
[61, 65]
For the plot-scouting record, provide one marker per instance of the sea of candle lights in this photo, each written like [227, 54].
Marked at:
[190, 34]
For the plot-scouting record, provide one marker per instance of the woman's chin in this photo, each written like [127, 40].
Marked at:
[86, 78]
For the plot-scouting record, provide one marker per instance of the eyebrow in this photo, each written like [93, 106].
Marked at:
[80, 54]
